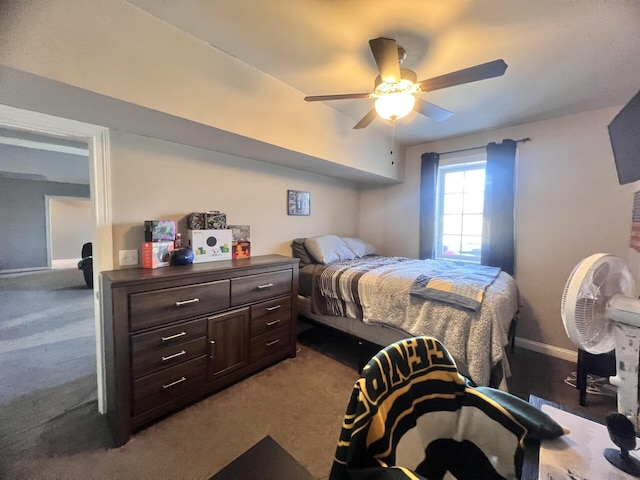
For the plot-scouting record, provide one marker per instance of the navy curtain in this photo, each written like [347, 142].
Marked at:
[498, 246]
[428, 184]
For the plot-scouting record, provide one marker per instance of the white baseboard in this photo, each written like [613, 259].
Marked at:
[18, 271]
[563, 353]
[65, 263]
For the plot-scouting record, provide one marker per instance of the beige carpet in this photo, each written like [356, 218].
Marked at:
[298, 402]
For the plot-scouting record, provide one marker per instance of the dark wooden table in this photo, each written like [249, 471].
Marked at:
[266, 460]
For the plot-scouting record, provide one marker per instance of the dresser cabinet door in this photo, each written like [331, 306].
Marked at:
[228, 342]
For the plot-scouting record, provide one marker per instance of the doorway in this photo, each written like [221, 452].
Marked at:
[97, 139]
[69, 227]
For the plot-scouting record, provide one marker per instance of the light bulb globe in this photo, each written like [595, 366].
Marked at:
[392, 106]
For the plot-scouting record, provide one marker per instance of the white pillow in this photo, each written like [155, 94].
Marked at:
[328, 249]
[359, 247]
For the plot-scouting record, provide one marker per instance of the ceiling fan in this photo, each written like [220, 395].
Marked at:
[396, 89]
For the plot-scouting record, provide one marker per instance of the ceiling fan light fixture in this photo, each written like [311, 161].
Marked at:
[396, 89]
[395, 105]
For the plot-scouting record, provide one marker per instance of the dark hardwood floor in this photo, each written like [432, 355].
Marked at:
[542, 375]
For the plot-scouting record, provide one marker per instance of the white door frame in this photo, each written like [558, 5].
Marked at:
[97, 138]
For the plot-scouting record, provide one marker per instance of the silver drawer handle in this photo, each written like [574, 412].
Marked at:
[271, 309]
[183, 379]
[179, 354]
[187, 302]
[171, 337]
[273, 323]
[272, 343]
[267, 285]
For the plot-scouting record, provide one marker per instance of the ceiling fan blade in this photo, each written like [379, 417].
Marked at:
[432, 111]
[344, 96]
[466, 75]
[385, 52]
[366, 120]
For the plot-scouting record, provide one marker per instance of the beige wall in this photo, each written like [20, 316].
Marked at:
[154, 179]
[568, 205]
[568, 201]
[88, 45]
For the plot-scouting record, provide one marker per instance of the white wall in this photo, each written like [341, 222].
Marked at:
[70, 226]
[568, 205]
[154, 179]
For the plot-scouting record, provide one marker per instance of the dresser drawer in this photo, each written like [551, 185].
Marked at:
[151, 361]
[254, 288]
[168, 336]
[271, 342]
[161, 306]
[268, 316]
[167, 384]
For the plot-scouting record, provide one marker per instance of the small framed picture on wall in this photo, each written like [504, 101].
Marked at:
[298, 202]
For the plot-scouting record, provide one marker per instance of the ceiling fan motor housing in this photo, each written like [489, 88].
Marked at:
[407, 84]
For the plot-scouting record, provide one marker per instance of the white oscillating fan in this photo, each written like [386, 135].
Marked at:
[600, 314]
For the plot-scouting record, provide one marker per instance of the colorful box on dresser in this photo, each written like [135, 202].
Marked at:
[210, 245]
[156, 254]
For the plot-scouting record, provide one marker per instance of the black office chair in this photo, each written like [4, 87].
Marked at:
[86, 264]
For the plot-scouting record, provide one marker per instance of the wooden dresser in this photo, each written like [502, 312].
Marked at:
[176, 334]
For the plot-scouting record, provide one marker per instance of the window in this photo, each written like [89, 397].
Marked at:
[460, 200]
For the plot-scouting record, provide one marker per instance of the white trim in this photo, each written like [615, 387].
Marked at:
[100, 180]
[97, 138]
[47, 227]
[51, 147]
[563, 353]
[65, 263]
[443, 170]
[460, 158]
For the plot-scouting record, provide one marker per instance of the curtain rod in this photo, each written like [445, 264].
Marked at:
[522, 140]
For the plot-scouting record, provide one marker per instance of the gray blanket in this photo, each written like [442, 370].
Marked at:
[460, 284]
[378, 293]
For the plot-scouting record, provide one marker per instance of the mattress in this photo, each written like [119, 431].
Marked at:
[475, 339]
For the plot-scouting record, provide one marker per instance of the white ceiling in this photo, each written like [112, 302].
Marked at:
[564, 56]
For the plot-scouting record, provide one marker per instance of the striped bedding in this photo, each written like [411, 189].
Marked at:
[376, 290]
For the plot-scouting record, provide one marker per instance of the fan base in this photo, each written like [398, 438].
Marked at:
[627, 464]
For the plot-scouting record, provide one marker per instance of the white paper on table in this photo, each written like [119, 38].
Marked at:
[578, 455]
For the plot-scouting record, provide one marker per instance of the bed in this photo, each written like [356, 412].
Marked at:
[345, 285]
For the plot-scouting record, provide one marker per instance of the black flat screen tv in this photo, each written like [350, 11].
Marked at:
[624, 133]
